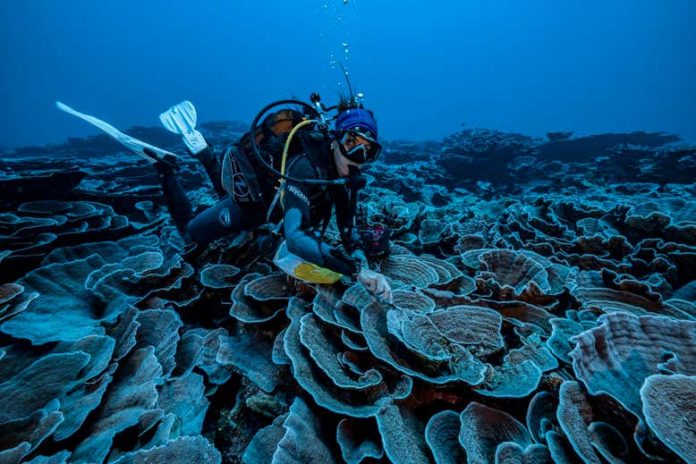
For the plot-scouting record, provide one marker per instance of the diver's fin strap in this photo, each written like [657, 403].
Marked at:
[140, 148]
[181, 119]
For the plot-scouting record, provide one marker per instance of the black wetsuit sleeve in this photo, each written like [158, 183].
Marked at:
[296, 226]
[345, 219]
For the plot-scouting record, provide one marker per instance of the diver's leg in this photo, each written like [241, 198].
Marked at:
[181, 119]
[211, 162]
[179, 205]
[224, 218]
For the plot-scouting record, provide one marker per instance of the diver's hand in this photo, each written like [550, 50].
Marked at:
[376, 284]
[360, 259]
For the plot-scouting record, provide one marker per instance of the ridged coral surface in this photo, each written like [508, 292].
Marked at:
[543, 311]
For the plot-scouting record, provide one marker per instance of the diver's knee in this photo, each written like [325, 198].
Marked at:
[224, 217]
[211, 224]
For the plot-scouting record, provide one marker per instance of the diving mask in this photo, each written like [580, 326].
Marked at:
[359, 147]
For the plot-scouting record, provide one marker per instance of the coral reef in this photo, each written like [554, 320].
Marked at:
[544, 311]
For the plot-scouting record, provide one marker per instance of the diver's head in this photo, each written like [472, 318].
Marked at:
[356, 139]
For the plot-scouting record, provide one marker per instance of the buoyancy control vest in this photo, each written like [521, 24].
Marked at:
[242, 175]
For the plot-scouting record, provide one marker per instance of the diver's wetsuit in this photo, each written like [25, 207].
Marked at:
[307, 209]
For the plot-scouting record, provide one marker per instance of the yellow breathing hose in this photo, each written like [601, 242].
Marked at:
[285, 152]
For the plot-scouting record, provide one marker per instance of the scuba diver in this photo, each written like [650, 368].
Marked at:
[319, 171]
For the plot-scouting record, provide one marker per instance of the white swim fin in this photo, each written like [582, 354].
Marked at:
[181, 119]
[140, 148]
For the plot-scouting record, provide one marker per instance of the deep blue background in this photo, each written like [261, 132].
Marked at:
[530, 66]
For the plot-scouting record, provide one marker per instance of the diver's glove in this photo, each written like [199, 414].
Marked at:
[376, 284]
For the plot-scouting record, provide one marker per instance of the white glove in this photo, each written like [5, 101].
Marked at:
[376, 284]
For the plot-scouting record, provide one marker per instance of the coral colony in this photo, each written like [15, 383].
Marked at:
[544, 311]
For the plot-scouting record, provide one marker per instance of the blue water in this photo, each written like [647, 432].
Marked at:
[587, 66]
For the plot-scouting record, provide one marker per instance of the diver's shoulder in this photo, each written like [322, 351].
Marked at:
[301, 166]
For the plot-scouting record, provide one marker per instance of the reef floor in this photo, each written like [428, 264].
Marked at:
[544, 311]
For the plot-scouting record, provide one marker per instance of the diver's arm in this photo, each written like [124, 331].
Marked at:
[345, 220]
[301, 242]
[311, 249]
[211, 163]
